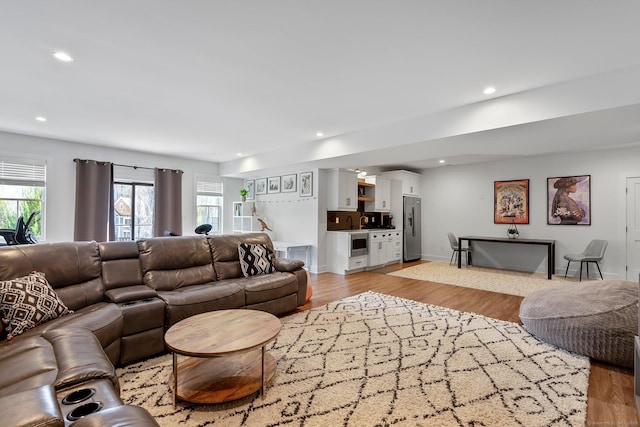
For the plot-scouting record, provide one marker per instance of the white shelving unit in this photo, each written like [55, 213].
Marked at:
[243, 219]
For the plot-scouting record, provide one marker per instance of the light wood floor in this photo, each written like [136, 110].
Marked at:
[610, 396]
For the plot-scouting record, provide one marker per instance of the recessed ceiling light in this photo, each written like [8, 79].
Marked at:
[41, 119]
[319, 134]
[63, 56]
[440, 161]
[238, 154]
[489, 90]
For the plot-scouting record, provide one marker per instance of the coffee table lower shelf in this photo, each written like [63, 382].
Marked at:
[222, 378]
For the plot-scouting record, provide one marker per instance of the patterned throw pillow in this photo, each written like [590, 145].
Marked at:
[255, 259]
[27, 302]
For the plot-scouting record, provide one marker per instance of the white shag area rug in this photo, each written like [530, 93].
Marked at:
[377, 360]
[486, 279]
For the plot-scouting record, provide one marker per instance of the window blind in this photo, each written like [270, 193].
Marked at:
[209, 188]
[16, 172]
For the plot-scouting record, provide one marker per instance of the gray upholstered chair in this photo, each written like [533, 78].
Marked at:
[454, 247]
[593, 253]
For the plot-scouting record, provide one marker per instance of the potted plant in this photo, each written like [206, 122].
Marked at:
[512, 231]
[243, 194]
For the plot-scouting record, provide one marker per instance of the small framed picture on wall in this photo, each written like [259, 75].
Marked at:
[306, 184]
[274, 185]
[289, 183]
[261, 186]
[250, 186]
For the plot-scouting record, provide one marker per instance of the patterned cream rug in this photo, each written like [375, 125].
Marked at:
[487, 279]
[377, 360]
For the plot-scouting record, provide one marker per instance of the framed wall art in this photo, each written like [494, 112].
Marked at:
[250, 186]
[511, 202]
[261, 186]
[273, 185]
[569, 200]
[306, 184]
[289, 183]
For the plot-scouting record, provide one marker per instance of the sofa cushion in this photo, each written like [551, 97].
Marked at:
[224, 249]
[169, 263]
[33, 407]
[29, 301]
[192, 300]
[72, 269]
[27, 362]
[268, 287]
[255, 259]
[120, 264]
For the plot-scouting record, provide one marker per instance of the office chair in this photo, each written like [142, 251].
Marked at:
[203, 229]
[10, 235]
[29, 237]
[453, 241]
[593, 253]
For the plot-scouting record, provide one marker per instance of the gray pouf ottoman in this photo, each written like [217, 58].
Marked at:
[595, 319]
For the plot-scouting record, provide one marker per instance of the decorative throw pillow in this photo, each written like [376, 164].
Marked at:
[255, 259]
[27, 302]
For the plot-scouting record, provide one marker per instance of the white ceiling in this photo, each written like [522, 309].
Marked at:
[388, 82]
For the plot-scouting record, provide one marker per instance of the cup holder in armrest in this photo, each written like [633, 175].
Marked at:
[84, 410]
[78, 396]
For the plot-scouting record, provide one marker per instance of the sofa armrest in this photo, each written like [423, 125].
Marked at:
[287, 265]
[33, 407]
[118, 416]
[130, 293]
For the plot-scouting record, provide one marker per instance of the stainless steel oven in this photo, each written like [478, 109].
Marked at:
[358, 244]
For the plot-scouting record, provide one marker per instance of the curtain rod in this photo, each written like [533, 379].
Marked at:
[129, 166]
[134, 167]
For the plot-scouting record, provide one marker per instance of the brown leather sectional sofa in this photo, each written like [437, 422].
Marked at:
[123, 295]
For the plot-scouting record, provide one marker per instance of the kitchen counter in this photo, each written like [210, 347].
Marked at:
[355, 230]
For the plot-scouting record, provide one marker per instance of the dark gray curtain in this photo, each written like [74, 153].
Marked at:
[167, 213]
[94, 201]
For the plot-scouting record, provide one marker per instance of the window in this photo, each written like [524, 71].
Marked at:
[22, 192]
[133, 210]
[209, 203]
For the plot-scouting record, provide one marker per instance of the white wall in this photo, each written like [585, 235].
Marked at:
[61, 175]
[293, 218]
[459, 199]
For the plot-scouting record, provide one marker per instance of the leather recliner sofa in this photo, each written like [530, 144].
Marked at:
[123, 295]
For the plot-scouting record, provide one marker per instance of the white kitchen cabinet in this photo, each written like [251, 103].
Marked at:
[338, 259]
[342, 190]
[381, 193]
[394, 246]
[410, 181]
[377, 247]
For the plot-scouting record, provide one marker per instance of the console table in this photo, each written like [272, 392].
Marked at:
[550, 244]
[287, 248]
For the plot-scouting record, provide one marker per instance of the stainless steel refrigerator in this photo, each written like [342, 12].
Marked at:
[411, 241]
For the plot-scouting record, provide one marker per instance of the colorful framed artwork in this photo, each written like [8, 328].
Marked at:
[273, 185]
[306, 184]
[289, 183]
[261, 186]
[511, 202]
[250, 186]
[569, 200]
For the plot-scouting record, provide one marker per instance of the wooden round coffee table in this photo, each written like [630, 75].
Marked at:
[227, 357]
